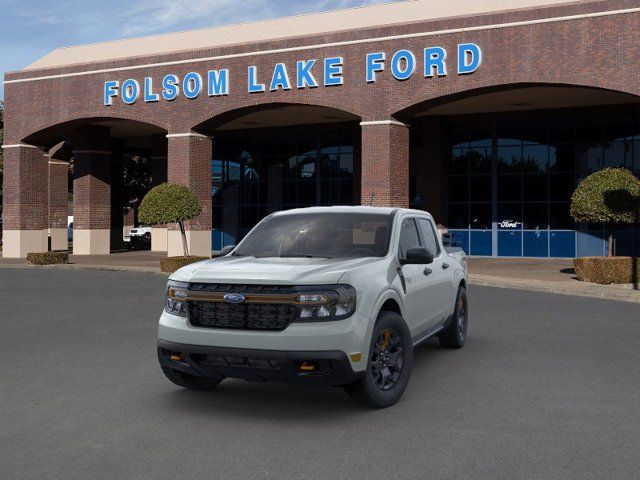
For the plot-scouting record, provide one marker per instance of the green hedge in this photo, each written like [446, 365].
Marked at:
[171, 264]
[47, 258]
[607, 270]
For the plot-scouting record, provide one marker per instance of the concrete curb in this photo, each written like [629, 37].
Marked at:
[604, 292]
[112, 268]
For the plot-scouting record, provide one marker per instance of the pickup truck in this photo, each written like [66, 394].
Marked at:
[317, 296]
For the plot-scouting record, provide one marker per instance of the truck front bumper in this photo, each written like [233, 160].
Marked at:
[292, 367]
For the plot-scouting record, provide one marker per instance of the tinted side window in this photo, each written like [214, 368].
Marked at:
[429, 239]
[408, 237]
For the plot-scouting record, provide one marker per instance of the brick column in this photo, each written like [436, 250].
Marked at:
[24, 208]
[189, 164]
[385, 164]
[58, 191]
[91, 191]
[158, 175]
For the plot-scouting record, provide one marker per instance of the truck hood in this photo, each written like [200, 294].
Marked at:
[271, 270]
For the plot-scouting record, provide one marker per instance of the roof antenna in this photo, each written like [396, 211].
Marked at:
[373, 194]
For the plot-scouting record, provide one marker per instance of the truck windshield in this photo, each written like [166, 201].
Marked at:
[328, 235]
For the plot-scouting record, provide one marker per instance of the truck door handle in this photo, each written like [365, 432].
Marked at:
[445, 266]
[427, 271]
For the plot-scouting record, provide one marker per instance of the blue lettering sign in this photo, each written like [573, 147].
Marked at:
[170, 87]
[218, 81]
[333, 71]
[110, 92]
[130, 91]
[434, 58]
[375, 63]
[304, 76]
[254, 86]
[469, 58]
[280, 78]
[403, 64]
[149, 96]
[192, 85]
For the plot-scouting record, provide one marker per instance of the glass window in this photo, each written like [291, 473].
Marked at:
[408, 237]
[559, 217]
[509, 188]
[428, 233]
[510, 159]
[480, 216]
[459, 163]
[618, 154]
[562, 157]
[509, 216]
[458, 189]
[589, 156]
[534, 187]
[535, 158]
[535, 216]
[333, 235]
[480, 160]
[561, 186]
[480, 188]
[458, 215]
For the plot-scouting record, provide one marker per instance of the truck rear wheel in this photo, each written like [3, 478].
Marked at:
[389, 365]
[456, 333]
[190, 382]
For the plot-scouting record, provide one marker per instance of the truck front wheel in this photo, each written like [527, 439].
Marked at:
[389, 365]
[190, 382]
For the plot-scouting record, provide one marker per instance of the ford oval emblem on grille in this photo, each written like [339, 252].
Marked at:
[234, 298]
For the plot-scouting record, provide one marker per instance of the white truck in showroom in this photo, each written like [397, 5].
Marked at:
[317, 296]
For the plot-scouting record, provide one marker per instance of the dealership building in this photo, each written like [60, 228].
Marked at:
[486, 113]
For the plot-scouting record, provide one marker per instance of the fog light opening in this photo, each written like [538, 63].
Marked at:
[308, 366]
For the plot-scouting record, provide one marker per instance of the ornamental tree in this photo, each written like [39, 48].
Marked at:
[611, 195]
[170, 203]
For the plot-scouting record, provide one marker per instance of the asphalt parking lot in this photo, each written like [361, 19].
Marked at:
[548, 387]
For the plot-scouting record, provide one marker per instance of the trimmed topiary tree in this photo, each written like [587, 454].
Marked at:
[611, 195]
[170, 203]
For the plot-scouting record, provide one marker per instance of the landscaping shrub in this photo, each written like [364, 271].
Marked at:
[47, 258]
[170, 203]
[171, 264]
[607, 270]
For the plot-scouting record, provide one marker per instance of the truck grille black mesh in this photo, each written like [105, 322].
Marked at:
[247, 316]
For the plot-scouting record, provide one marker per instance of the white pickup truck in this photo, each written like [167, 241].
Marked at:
[317, 296]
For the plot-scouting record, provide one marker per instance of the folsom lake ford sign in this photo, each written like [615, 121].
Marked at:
[310, 73]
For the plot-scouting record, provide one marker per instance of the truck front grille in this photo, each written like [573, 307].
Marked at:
[245, 316]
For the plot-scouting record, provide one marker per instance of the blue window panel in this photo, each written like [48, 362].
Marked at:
[216, 239]
[462, 239]
[624, 239]
[510, 244]
[536, 244]
[591, 243]
[228, 239]
[563, 244]
[481, 242]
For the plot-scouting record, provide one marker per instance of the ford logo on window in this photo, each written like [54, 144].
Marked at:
[234, 298]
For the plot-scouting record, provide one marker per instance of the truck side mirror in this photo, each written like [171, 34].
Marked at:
[417, 256]
[226, 250]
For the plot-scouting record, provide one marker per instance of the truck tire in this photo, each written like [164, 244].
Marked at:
[455, 335]
[190, 382]
[389, 365]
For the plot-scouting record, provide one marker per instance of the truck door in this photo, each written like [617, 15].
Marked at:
[421, 303]
[441, 298]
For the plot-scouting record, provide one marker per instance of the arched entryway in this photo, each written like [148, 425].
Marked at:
[111, 164]
[276, 157]
[497, 166]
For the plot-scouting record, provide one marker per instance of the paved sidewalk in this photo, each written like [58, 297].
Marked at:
[543, 275]
[539, 275]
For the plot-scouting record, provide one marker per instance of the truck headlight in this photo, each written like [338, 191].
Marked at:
[334, 303]
[175, 298]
